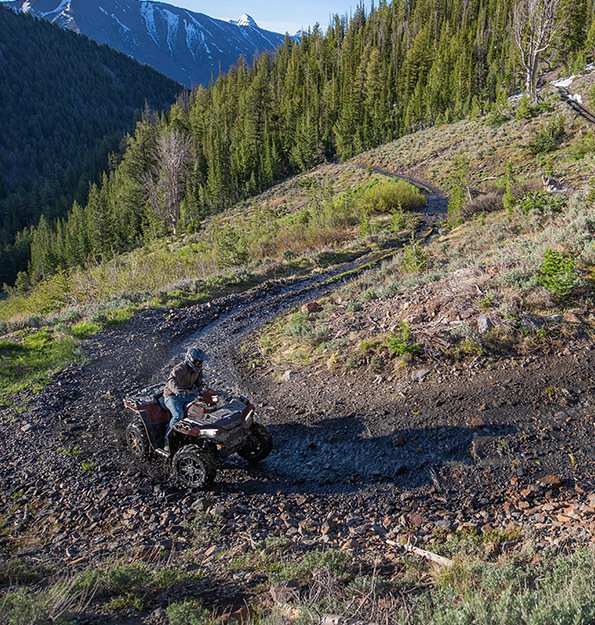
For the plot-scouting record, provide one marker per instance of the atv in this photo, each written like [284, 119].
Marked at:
[215, 425]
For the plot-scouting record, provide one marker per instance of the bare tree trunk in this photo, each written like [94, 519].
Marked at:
[165, 185]
[535, 26]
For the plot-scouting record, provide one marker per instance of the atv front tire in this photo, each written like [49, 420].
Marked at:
[137, 440]
[260, 444]
[194, 467]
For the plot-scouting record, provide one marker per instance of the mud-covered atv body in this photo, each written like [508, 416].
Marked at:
[214, 426]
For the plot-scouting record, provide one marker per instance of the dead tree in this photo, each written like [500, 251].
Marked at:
[536, 24]
[166, 183]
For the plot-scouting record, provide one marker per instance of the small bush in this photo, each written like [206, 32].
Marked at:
[585, 146]
[332, 561]
[390, 195]
[414, 257]
[85, 329]
[190, 612]
[526, 110]
[398, 220]
[400, 343]
[542, 202]
[557, 274]
[548, 137]
[16, 572]
[299, 325]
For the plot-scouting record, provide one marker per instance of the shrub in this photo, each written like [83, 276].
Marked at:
[398, 220]
[526, 110]
[400, 342]
[542, 202]
[85, 329]
[548, 137]
[414, 257]
[390, 195]
[585, 146]
[190, 612]
[230, 247]
[557, 273]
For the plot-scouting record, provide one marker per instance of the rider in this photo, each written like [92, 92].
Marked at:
[181, 386]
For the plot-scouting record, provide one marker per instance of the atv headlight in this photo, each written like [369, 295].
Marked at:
[209, 433]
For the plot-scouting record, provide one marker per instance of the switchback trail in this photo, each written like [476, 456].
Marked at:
[354, 461]
[65, 457]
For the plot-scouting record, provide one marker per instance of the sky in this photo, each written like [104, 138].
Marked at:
[277, 16]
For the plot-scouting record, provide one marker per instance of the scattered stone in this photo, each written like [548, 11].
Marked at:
[420, 375]
[551, 481]
[311, 307]
[211, 551]
[416, 519]
[481, 447]
[484, 324]
[476, 422]
[572, 317]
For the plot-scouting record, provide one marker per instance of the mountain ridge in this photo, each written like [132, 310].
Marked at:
[189, 47]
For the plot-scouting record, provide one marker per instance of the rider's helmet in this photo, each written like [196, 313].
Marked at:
[195, 357]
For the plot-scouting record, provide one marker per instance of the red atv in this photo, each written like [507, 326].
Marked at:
[215, 426]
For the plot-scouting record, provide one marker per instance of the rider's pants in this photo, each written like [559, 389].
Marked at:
[176, 406]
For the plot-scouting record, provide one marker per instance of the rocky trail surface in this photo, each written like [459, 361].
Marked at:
[481, 448]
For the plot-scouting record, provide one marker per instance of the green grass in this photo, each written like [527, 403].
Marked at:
[29, 357]
[517, 589]
[188, 612]
[115, 587]
[555, 590]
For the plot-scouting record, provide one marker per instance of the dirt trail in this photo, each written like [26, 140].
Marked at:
[361, 458]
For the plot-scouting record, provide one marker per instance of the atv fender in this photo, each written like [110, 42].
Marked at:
[150, 429]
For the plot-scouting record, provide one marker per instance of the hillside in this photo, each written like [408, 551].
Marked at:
[66, 104]
[191, 48]
[329, 96]
[427, 377]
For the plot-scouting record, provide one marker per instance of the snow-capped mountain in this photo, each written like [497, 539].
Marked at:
[245, 20]
[189, 47]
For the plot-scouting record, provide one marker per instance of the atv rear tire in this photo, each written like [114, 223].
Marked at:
[137, 440]
[194, 467]
[260, 444]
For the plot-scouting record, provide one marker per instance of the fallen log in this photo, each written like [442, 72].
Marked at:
[422, 553]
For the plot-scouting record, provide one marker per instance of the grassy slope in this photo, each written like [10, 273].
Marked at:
[426, 302]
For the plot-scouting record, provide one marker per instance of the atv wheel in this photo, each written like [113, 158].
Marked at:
[137, 440]
[193, 467]
[259, 446]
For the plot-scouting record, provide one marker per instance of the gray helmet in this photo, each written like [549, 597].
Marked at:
[194, 356]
